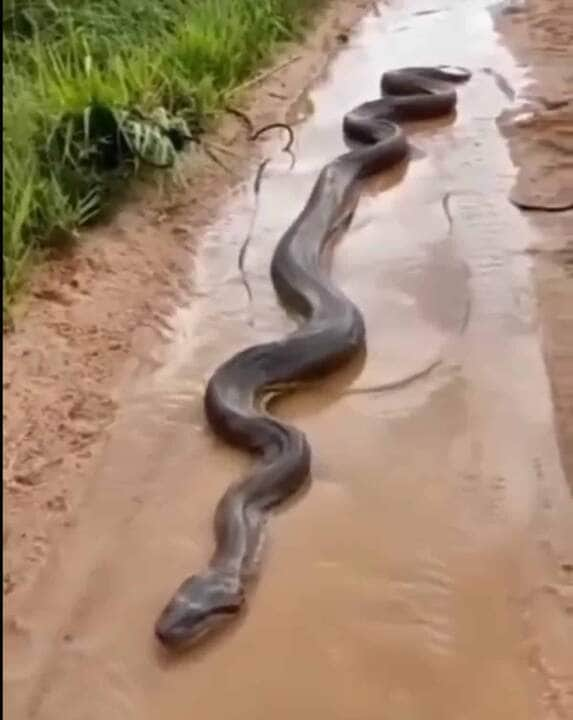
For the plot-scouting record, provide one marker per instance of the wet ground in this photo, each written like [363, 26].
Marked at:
[428, 571]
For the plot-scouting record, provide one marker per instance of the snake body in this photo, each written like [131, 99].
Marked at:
[331, 333]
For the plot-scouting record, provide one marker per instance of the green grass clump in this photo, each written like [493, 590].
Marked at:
[94, 87]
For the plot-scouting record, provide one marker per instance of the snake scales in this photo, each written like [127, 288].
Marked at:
[332, 332]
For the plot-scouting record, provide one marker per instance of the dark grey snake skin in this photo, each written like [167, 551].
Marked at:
[332, 332]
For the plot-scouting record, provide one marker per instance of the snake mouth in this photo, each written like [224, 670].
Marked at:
[178, 640]
[184, 634]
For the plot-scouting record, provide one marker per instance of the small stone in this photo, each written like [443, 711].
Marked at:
[8, 584]
[57, 504]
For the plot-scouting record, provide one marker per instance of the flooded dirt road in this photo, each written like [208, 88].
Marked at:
[428, 571]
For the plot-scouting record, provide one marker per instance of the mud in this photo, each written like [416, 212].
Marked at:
[540, 139]
[428, 571]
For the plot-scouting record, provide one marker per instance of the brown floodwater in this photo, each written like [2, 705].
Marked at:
[428, 571]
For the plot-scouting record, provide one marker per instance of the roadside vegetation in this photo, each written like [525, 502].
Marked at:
[96, 89]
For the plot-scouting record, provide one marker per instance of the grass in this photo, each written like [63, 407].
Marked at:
[94, 89]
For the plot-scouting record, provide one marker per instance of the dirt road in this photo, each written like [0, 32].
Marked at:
[428, 572]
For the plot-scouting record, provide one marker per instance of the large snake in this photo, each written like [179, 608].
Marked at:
[333, 331]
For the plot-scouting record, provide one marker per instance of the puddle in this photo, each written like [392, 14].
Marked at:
[426, 573]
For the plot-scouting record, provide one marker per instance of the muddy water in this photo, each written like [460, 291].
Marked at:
[428, 571]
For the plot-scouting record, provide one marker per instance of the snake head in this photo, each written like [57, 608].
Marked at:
[202, 604]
